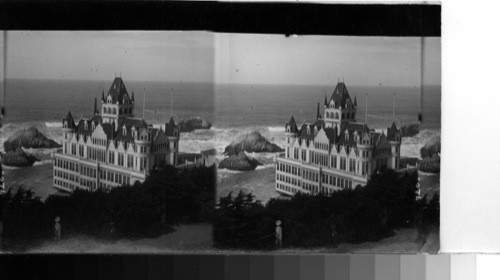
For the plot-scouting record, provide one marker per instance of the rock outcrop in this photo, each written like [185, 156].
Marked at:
[251, 143]
[18, 158]
[431, 156]
[194, 123]
[410, 130]
[239, 162]
[29, 138]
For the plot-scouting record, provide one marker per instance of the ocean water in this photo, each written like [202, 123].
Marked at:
[232, 109]
[43, 103]
[266, 108]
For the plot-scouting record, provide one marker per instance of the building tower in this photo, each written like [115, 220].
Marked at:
[117, 104]
[172, 133]
[291, 134]
[68, 129]
[339, 108]
[394, 138]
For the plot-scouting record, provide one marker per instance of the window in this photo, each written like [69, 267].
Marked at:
[121, 161]
[343, 163]
[333, 161]
[130, 161]
[111, 157]
[352, 165]
[124, 130]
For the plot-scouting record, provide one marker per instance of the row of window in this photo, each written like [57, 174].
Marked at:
[335, 115]
[64, 184]
[286, 188]
[126, 111]
[289, 180]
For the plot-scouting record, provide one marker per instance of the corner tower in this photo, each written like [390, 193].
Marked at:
[117, 104]
[172, 133]
[291, 134]
[394, 138]
[339, 108]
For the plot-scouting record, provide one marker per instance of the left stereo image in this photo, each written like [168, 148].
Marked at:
[106, 142]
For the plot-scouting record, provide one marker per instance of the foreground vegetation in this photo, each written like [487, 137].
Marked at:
[168, 197]
[371, 213]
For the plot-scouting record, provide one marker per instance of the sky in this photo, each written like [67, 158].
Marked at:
[322, 60]
[98, 55]
[226, 58]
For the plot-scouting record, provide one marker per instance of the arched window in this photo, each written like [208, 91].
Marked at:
[343, 116]
[114, 111]
[336, 115]
[121, 111]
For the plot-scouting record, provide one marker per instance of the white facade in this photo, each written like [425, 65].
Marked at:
[335, 152]
[113, 148]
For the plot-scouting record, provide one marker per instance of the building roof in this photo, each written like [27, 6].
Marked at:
[69, 119]
[293, 125]
[169, 128]
[209, 152]
[306, 133]
[117, 91]
[392, 132]
[340, 96]
[331, 134]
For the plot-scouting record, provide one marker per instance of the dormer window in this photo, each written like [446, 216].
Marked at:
[85, 125]
[347, 136]
[124, 131]
[308, 130]
[93, 125]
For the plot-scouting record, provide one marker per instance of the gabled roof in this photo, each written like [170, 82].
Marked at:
[340, 96]
[349, 128]
[169, 128]
[293, 125]
[81, 129]
[392, 132]
[69, 119]
[108, 129]
[118, 91]
[305, 134]
[331, 134]
[132, 122]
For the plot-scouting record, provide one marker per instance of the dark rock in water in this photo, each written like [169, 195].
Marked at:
[29, 138]
[194, 123]
[430, 153]
[252, 143]
[432, 147]
[410, 130]
[18, 158]
[430, 164]
[239, 162]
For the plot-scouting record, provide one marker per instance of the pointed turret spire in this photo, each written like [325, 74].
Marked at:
[102, 96]
[318, 116]
[95, 107]
[326, 102]
[172, 104]
[132, 96]
[355, 102]
[394, 109]
[366, 107]
[143, 103]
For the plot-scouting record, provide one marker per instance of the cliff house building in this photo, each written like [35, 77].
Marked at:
[334, 152]
[112, 147]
